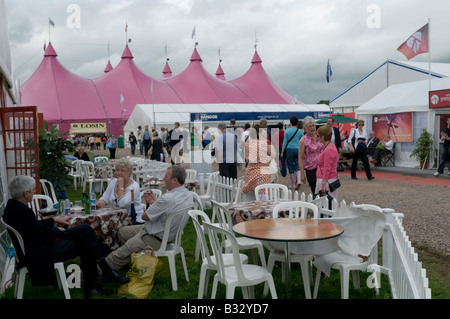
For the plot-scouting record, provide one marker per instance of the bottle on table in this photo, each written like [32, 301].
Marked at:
[133, 210]
[93, 201]
[66, 206]
[60, 204]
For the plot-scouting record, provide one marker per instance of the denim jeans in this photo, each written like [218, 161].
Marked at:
[292, 160]
[445, 154]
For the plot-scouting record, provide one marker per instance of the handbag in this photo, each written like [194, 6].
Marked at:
[144, 267]
[109, 145]
[334, 185]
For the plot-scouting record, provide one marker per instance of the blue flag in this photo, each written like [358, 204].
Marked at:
[329, 72]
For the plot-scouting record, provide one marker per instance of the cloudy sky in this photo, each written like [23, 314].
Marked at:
[294, 38]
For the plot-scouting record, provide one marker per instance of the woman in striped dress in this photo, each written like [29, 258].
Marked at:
[258, 153]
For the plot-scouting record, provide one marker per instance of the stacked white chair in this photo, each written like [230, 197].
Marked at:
[89, 176]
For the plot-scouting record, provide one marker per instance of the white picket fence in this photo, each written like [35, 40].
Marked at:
[400, 263]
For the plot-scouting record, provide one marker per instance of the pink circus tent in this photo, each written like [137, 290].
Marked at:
[259, 87]
[60, 95]
[128, 81]
[196, 85]
[66, 98]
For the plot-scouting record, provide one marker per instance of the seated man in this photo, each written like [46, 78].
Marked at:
[136, 238]
[372, 143]
[46, 244]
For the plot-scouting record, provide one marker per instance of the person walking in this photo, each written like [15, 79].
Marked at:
[133, 141]
[309, 150]
[226, 152]
[445, 154]
[357, 141]
[112, 146]
[290, 146]
[147, 141]
[140, 136]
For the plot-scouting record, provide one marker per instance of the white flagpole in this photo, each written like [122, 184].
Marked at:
[153, 106]
[429, 54]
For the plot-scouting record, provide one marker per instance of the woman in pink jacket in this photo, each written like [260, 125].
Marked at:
[327, 163]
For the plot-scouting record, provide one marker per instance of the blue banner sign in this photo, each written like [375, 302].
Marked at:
[254, 116]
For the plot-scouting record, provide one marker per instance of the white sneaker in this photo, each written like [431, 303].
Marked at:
[436, 174]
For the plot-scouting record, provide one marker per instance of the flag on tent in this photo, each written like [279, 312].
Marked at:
[416, 43]
[50, 21]
[126, 27]
[121, 98]
[329, 72]
[193, 33]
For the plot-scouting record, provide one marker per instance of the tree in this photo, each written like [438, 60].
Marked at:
[52, 163]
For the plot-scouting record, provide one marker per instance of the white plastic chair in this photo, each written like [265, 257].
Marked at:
[363, 227]
[210, 189]
[101, 159]
[245, 243]
[272, 192]
[191, 174]
[36, 203]
[170, 248]
[23, 270]
[237, 274]
[48, 189]
[89, 176]
[208, 258]
[76, 173]
[294, 209]
[197, 206]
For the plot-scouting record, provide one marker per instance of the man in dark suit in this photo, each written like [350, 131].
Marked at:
[46, 244]
[336, 137]
[372, 143]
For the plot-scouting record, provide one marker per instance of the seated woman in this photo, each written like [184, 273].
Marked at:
[386, 144]
[81, 154]
[118, 192]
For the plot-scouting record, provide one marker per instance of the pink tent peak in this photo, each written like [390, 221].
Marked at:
[259, 87]
[196, 85]
[220, 74]
[167, 72]
[108, 67]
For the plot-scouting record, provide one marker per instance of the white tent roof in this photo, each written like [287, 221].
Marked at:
[406, 97]
[388, 74]
[168, 114]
